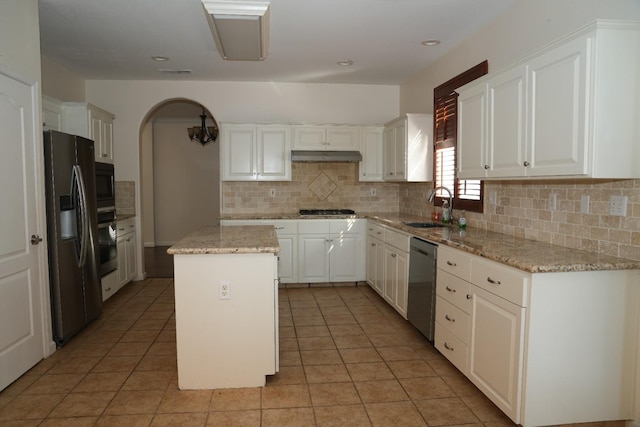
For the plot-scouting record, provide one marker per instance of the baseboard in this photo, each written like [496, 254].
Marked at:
[149, 244]
[633, 423]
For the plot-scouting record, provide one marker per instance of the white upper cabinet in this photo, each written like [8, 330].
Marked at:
[408, 148]
[567, 110]
[51, 114]
[371, 149]
[326, 137]
[256, 152]
[89, 121]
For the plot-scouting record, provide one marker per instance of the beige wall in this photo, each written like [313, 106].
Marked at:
[186, 187]
[20, 38]
[146, 185]
[60, 83]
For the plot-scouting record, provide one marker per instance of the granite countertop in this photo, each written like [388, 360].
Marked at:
[524, 254]
[122, 217]
[228, 239]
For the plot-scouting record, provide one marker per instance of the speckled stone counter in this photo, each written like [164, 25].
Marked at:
[228, 240]
[524, 254]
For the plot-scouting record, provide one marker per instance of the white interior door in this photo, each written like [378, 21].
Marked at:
[21, 334]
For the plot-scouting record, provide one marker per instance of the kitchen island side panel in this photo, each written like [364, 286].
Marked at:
[225, 343]
[580, 346]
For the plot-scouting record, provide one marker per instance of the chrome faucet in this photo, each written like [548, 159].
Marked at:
[433, 194]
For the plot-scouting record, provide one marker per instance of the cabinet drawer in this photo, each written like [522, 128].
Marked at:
[126, 226]
[375, 230]
[455, 262]
[452, 348]
[285, 227]
[452, 318]
[453, 289]
[508, 283]
[398, 240]
[338, 226]
[314, 226]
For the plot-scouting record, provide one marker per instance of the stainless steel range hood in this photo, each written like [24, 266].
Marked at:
[325, 156]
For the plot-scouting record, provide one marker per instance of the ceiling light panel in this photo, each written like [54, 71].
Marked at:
[240, 29]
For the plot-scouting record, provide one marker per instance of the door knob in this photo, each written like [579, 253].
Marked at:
[526, 163]
[35, 239]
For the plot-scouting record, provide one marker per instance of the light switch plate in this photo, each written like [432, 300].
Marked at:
[618, 206]
[584, 203]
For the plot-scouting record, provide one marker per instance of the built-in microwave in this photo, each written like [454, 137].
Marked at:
[105, 185]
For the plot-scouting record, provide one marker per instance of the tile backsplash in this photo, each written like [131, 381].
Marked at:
[125, 197]
[523, 209]
[313, 185]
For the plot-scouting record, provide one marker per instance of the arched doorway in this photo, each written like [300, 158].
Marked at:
[180, 181]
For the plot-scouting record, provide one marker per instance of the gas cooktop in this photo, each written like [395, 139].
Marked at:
[327, 212]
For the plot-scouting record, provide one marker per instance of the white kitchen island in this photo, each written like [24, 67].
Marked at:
[226, 293]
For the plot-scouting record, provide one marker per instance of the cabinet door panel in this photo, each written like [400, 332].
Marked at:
[132, 270]
[273, 153]
[390, 266]
[496, 350]
[344, 253]
[309, 138]
[400, 150]
[313, 260]
[402, 283]
[238, 153]
[287, 270]
[371, 148]
[556, 137]
[472, 116]
[389, 163]
[343, 138]
[506, 133]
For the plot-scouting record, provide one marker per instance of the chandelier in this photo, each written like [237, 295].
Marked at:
[202, 133]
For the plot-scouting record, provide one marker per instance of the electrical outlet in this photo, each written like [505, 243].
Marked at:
[552, 202]
[373, 192]
[493, 197]
[272, 192]
[618, 206]
[224, 291]
[584, 203]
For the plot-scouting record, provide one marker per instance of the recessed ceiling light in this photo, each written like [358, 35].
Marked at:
[430, 42]
[345, 63]
[160, 58]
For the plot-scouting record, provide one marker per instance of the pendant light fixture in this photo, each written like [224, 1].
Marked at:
[204, 134]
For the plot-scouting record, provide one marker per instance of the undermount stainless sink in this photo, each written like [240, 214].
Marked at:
[425, 224]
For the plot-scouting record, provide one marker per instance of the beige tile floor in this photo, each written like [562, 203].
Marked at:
[346, 359]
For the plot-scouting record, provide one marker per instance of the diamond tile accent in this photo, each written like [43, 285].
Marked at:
[322, 186]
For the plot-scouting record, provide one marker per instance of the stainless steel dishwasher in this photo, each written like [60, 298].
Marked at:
[421, 298]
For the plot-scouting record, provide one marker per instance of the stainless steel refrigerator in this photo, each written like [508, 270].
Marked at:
[72, 231]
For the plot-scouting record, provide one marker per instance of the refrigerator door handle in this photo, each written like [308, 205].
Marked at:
[83, 214]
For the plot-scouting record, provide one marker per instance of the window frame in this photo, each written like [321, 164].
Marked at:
[444, 96]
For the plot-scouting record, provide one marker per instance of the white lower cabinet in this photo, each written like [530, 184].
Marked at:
[126, 243]
[331, 251]
[388, 264]
[317, 251]
[529, 340]
[109, 285]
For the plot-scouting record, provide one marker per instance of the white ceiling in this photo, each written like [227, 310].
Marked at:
[115, 39]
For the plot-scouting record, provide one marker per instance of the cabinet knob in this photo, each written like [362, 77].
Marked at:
[35, 239]
[452, 264]
[447, 346]
[104, 155]
[450, 319]
[469, 296]
[526, 163]
[394, 255]
[486, 166]
[450, 290]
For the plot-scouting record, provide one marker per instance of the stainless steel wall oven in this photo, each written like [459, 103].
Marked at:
[107, 242]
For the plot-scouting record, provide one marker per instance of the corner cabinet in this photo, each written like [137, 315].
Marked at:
[91, 122]
[493, 323]
[408, 148]
[326, 137]
[256, 152]
[568, 110]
